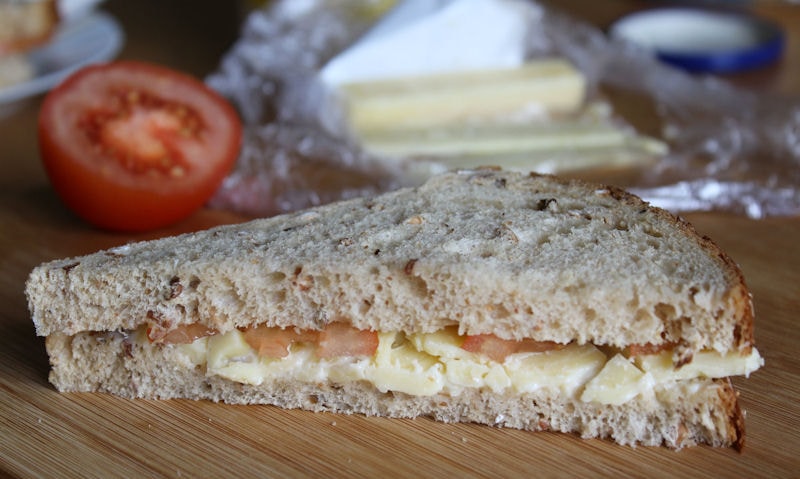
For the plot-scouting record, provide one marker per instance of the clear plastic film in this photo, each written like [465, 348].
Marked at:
[729, 149]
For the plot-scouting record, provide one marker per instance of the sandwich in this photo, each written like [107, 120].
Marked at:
[507, 299]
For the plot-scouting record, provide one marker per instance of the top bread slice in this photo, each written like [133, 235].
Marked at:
[518, 256]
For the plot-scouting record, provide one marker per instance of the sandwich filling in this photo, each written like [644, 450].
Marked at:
[440, 362]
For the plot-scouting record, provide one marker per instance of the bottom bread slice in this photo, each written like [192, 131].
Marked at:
[679, 414]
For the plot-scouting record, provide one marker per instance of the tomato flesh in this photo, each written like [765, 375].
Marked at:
[340, 339]
[498, 349]
[131, 146]
[274, 342]
[336, 340]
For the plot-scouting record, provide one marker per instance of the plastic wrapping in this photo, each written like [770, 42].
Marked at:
[730, 149]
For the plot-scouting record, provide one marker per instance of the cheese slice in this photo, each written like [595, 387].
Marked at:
[418, 102]
[499, 138]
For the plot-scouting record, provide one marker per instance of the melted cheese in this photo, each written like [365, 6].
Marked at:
[427, 364]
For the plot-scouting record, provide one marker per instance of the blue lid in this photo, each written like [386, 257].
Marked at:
[702, 40]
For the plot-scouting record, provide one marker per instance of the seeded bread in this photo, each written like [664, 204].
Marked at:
[677, 414]
[518, 256]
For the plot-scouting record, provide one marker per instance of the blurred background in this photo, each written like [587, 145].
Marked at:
[194, 36]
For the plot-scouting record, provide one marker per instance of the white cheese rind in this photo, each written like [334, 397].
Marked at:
[421, 37]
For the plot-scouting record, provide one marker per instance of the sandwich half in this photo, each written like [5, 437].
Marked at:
[484, 296]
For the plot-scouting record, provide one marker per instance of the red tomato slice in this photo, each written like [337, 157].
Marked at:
[340, 339]
[498, 349]
[131, 146]
[274, 342]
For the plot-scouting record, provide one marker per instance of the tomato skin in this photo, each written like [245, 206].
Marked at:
[106, 191]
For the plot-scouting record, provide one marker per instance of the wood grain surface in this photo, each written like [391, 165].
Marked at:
[47, 434]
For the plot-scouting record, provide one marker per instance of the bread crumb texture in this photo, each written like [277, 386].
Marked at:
[518, 256]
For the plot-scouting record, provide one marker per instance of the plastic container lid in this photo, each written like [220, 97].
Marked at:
[702, 40]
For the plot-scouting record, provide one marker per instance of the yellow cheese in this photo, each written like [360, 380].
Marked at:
[704, 364]
[465, 373]
[447, 98]
[542, 139]
[445, 344]
[566, 369]
[427, 364]
[195, 352]
[462, 368]
[617, 383]
[231, 357]
[405, 369]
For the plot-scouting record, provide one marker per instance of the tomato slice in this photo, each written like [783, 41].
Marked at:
[498, 349]
[336, 340]
[131, 146]
[274, 342]
[340, 339]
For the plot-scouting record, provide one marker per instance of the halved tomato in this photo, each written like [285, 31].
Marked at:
[131, 146]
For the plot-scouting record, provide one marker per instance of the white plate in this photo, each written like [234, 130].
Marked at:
[94, 38]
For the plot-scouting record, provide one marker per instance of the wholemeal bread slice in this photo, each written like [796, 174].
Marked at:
[478, 252]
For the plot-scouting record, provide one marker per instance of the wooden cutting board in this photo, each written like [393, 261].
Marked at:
[47, 434]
